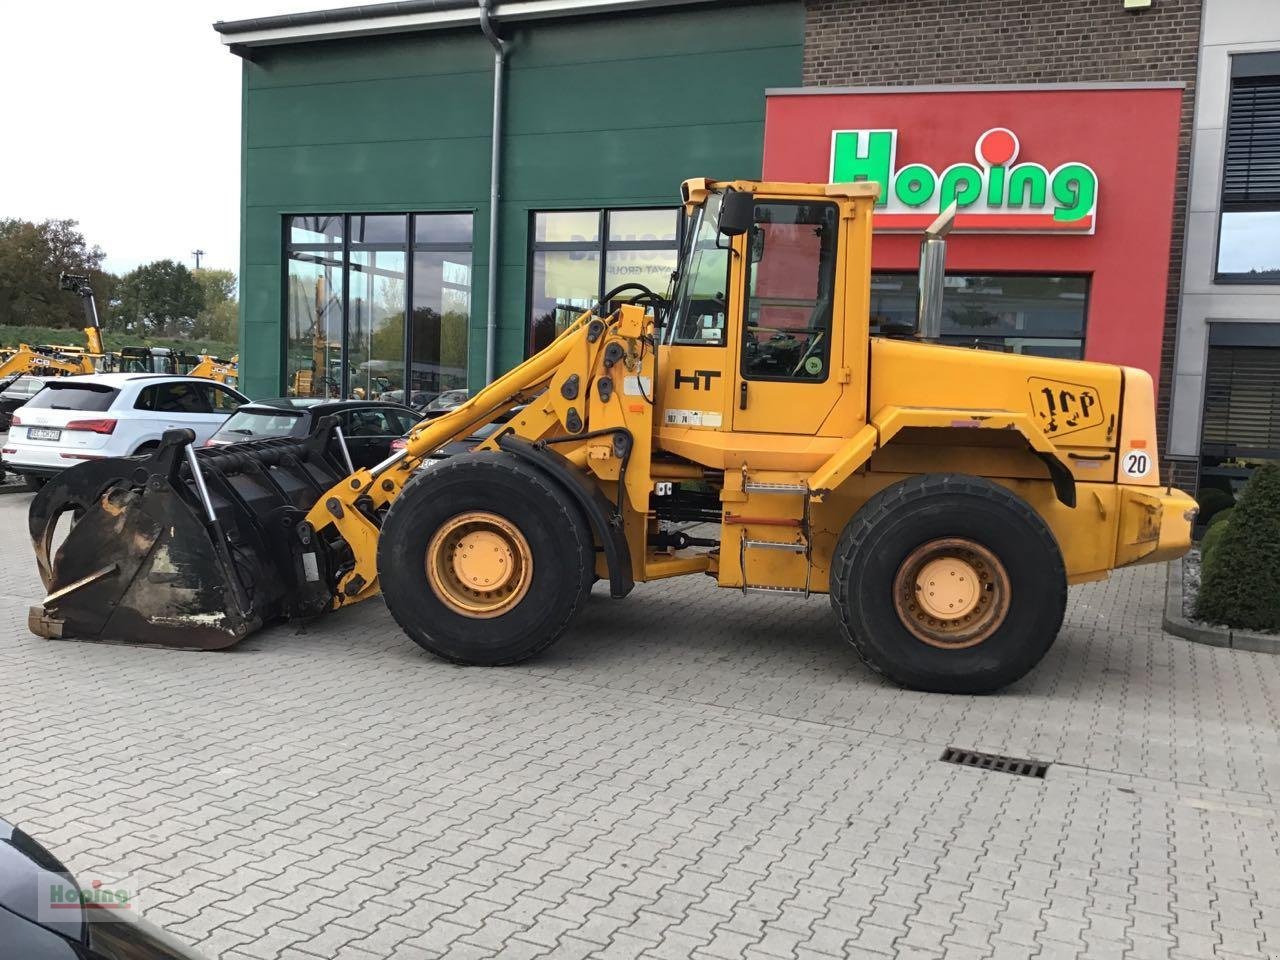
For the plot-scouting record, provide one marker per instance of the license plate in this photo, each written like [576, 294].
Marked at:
[43, 433]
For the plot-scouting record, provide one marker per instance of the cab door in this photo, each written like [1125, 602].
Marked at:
[790, 294]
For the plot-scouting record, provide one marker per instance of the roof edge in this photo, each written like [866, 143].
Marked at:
[979, 87]
[410, 15]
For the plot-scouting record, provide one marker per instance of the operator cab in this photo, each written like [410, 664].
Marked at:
[766, 332]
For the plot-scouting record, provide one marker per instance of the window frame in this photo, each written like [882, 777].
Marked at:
[1244, 67]
[601, 247]
[1086, 304]
[344, 248]
[746, 298]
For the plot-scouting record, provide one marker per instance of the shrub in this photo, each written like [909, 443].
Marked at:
[1209, 545]
[1211, 501]
[1240, 585]
[1222, 516]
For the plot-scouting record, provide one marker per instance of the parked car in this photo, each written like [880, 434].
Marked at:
[368, 426]
[446, 401]
[110, 415]
[455, 447]
[16, 393]
[418, 399]
[46, 914]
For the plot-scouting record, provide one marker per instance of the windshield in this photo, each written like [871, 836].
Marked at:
[244, 424]
[73, 396]
[698, 300]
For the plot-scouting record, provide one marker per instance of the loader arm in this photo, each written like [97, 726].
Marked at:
[350, 508]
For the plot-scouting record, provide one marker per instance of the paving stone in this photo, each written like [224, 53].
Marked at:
[691, 773]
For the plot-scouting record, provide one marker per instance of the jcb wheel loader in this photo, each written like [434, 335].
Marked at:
[942, 497]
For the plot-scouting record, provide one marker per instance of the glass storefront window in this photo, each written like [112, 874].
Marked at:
[355, 282]
[313, 323]
[376, 299]
[441, 319]
[326, 230]
[447, 228]
[1024, 313]
[379, 229]
[571, 268]
[565, 283]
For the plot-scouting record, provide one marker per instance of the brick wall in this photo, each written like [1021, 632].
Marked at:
[907, 42]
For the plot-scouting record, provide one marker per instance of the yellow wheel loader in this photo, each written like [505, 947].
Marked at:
[942, 497]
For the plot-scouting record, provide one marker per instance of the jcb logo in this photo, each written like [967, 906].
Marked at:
[1063, 407]
[701, 379]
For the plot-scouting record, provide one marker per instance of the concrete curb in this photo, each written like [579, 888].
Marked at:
[1175, 623]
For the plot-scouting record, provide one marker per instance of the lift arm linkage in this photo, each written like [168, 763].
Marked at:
[351, 508]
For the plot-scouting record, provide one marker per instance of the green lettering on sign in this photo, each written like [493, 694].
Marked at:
[863, 155]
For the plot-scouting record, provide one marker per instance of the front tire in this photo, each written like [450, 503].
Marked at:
[484, 561]
[949, 583]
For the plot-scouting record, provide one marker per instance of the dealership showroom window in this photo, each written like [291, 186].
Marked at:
[375, 301]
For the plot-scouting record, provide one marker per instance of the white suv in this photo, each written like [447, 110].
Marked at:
[109, 415]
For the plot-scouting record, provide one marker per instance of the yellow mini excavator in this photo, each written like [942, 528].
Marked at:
[942, 497]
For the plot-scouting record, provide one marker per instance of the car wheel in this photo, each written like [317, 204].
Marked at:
[949, 583]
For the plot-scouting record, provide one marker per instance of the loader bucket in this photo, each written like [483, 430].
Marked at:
[185, 547]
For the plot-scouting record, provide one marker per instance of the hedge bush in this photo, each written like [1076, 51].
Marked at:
[1211, 501]
[1222, 516]
[1209, 544]
[1240, 582]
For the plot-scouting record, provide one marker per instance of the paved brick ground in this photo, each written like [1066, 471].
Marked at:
[689, 774]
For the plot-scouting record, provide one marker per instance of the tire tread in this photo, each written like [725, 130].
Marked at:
[882, 504]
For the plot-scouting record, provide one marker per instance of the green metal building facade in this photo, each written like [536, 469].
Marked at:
[603, 112]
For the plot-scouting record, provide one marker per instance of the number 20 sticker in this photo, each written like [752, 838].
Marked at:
[1136, 464]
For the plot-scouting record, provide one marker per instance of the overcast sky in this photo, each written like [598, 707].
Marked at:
[125, 116]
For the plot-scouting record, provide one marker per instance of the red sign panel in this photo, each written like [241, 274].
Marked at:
[1047, 180]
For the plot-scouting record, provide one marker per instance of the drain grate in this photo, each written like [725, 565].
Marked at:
[994, 761]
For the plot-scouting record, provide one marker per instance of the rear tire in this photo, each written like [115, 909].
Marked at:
[536, 571]
[1001, 584]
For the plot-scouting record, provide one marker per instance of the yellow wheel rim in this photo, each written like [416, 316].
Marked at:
[479, 564]
[952, 593]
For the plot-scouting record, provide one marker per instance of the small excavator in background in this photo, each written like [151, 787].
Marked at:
[747, 426]
[139, 359]
[57, 360]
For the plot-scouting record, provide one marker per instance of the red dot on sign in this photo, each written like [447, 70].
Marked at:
[997, 147]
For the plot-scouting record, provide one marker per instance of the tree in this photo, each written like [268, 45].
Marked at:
[160, 299]
[1240, 585]
[219, 318]
[31, 257]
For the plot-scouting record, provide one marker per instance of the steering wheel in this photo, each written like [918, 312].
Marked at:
[645, 293]
[813, 345]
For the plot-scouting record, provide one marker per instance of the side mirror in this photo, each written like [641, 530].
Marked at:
[737, 211]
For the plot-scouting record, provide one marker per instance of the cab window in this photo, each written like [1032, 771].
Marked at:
[699, 303]
[790, 283]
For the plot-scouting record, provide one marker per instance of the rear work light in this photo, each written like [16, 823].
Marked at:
[92, 426]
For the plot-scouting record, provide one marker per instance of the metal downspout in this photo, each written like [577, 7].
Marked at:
[495, 177]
